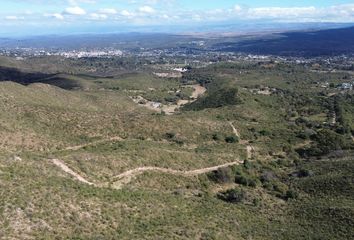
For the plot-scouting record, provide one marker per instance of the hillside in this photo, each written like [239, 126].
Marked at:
[257, 156]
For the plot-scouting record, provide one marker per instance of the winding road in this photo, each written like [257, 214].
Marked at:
[127, 176]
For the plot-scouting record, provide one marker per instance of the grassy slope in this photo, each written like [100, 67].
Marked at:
[40, 201]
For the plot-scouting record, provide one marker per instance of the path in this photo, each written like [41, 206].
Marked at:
[249, 149]
[235, 130]
[334, 118]
[68, 170]
[75, 148]
[198, 91]
[126, 177]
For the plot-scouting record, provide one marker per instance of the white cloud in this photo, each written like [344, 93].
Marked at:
[237, 8]
[126, 13]
[96, 16]
[278, 12]
[146, 9]
[55, 15]
[77, 2]
[108, 11]
[74, 11]
[13, 18]
[160, 12]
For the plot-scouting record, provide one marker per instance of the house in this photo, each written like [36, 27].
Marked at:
[346, 86]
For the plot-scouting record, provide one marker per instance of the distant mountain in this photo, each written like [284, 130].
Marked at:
[321, 40]
[92, 41]
[305, 43]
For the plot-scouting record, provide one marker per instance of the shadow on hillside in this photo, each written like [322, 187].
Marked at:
[27, 78]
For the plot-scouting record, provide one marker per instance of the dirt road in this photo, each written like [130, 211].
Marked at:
[127, 176]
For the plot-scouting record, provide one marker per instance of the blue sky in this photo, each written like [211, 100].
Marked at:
[46, 15]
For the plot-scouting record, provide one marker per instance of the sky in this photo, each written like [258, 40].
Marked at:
[47, 16]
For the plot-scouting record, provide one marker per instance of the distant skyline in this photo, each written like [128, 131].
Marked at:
[69, 16]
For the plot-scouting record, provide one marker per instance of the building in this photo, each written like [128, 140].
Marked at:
[346, 86]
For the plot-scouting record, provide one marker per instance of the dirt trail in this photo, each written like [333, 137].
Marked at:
[127, 176]
[235, 130]
[138, 171]
[249, 149]
[334, 119]
[198, 91]
[75, 148]
[68, 170]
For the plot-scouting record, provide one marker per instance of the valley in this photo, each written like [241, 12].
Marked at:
[160, 146]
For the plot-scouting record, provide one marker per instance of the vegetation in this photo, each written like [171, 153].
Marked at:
[293, 141]
[216, 99]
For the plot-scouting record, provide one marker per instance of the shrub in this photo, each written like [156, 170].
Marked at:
[232, 196]
[264, 133]
[246, 180]
[222, 175]
[304, 173]
[216, 137]
[267, 176]
[326, 141]
[247, 164]
[216, 99]
[170, 135]
[240, 179]
[280, 187]
[231, 139]
[291, 194]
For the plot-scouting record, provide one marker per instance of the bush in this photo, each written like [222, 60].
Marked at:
[246, 180]
[291, 194]
[264, 133]
[232, 196]
[216, 99]
[304, 173]
[240, 179]
[267, 176]
[222, 175]
[170, 135]
[326, 141]
[216, 137]
[280, 187]
[231, 139]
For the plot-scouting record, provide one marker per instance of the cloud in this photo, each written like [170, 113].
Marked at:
[278, 12]
[108, 11]
[237, 8]
[97, 16]
[77, 2]
[146, 9]
[74, 11]
[13, 18]
[164, 12]
[55, 16]
[126, 13]
[339, 13]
